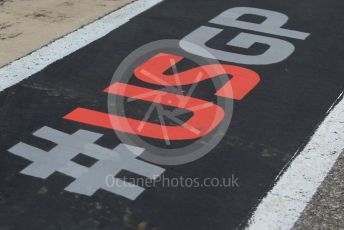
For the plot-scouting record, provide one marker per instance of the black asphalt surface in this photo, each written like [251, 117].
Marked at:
[268, 126]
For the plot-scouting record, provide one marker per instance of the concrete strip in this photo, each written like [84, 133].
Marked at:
[326, 210]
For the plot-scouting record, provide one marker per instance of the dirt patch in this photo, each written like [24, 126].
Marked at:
[26, 25]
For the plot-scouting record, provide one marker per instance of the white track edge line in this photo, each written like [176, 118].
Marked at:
[26, 66]
[285, 202]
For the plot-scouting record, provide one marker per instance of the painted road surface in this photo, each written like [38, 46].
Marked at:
[269, 70]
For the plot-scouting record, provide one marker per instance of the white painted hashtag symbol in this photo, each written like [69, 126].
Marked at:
[87, 179]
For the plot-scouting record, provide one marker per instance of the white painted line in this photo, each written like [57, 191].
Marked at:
[24, 67]
[283, 205]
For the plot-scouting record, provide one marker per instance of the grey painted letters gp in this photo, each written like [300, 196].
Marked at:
[278, 49]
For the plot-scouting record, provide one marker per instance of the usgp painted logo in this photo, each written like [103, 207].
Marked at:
[170, 102]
